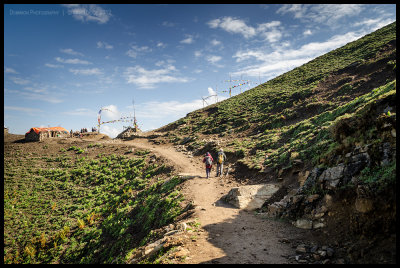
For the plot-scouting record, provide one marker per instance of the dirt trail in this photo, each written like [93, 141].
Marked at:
[227, 234]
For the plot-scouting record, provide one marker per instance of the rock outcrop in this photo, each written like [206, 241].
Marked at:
[250, 197]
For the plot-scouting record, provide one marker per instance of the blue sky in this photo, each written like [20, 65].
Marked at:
[63, 63]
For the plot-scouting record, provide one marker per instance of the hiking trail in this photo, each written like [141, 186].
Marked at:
[228, 234]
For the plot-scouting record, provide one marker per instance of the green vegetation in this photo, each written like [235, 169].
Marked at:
[379, 177]
[74, 208]
[293, 113]
[76, 149]
[71, 209]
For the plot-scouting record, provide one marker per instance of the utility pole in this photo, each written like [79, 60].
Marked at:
[204, 101]
[98, 120]
[230, 85]
[134, 115]
[240, 83]
[216, 94]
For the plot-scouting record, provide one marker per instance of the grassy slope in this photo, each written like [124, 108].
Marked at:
[72, 207]
[289, 117]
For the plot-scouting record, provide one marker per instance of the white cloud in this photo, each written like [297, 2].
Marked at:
[272, 69]
[82, 112]
[159, 63]
[298, 10]
[168, 24]
[244, 55]
[284, 59]
[19, 81]
[308, 50]
[93, 71]
[270, 31]
[131, 53]
[35, 90]
[272, 36]
[161, 113]
[215, 42]
[213, 96]
[10, 70]
[149, 78]
[110, 112]
[135, 50]
[368, 22]
[269, 25]
[42, 96]
[88, 13]
[331, 13]
[161, 44]
[214, 23]
[110, 131]
[22, 109]
[171, 110]
[104, 45]
[188, 40]
[70, 51]
[307, 32]
[213, 59]
[328, 14]
[154, 114]
[197, 71]
[211, 91]
[53, 65]
[233, 25]
[72, 61]
[374, 24]
[198, 53]
[317, 48]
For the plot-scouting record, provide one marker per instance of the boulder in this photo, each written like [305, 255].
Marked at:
[356, 164]
[301, 249]
[250, 197]
[303, 224]
[317, 225]
[154, 247]
[312, 178]
[330, 177]
[276, 208]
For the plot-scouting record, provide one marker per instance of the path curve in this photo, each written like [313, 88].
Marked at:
[228, 234]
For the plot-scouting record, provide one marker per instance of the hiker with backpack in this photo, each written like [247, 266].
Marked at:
[208, 161]
[220, 161]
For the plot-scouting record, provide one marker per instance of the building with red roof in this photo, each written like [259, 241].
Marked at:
[40, 133]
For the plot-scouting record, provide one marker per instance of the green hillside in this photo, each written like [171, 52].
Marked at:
[74, 201]
[291, 116]
[91, 203]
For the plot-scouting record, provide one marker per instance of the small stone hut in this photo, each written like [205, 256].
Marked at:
[40, 133]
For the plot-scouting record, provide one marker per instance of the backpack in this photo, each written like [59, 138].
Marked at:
[220, 158]
[208, 161]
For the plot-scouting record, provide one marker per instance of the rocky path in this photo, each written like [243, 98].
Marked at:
[226, 234]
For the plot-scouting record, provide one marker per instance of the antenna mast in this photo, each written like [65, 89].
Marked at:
[134, 115]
